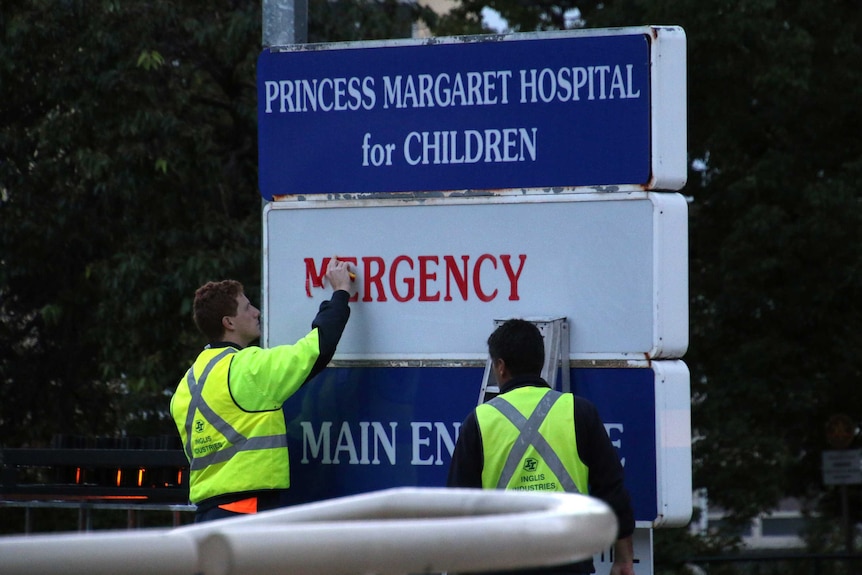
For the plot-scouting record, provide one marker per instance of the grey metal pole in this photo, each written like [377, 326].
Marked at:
[848, 526]
[285, 22]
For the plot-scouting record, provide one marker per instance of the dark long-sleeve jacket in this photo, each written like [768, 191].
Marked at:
[594, 448]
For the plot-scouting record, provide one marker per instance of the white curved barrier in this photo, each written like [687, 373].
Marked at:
[403, 530]
[109, 553]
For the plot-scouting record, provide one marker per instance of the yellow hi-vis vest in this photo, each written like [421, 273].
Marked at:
[247, 454]
[528, 442]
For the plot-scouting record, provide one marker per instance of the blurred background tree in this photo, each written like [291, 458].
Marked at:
[128, 177]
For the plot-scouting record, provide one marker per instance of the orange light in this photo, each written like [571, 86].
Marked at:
[119, 476]
[140, 476]
[179, 477]
[78, 475]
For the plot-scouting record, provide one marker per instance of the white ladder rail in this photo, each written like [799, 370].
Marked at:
[555, 332]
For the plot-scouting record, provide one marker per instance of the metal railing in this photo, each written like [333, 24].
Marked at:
[780, 563]
[85, 508]
[135, 475]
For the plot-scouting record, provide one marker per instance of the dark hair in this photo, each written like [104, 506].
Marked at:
[214, 301]
[519, 343]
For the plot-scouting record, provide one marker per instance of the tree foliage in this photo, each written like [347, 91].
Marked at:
[128, 177]
[774, 255]
[354, 20]
[128, 137]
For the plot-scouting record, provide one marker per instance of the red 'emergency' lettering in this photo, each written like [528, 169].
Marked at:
[427, 278]
[373, 278]
[453, 273]
[477, 277]
[513, 277]
[409, 281]
[314, 278]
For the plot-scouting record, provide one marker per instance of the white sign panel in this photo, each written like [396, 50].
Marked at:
[842, 467]
[433, 273]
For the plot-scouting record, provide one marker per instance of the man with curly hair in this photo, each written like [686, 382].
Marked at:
[228, 406]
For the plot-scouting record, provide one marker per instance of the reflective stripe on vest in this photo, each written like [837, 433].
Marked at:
[238, 441]
[529, 436]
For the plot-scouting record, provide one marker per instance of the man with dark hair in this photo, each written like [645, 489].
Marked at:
[570, 450]
[228, 406]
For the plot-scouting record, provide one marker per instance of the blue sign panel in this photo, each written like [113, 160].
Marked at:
[355, 430]
[483, 113]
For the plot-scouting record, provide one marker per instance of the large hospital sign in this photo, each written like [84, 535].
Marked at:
[468, 180]
[574, 109]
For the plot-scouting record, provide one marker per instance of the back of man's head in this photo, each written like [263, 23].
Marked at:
[519, 343]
